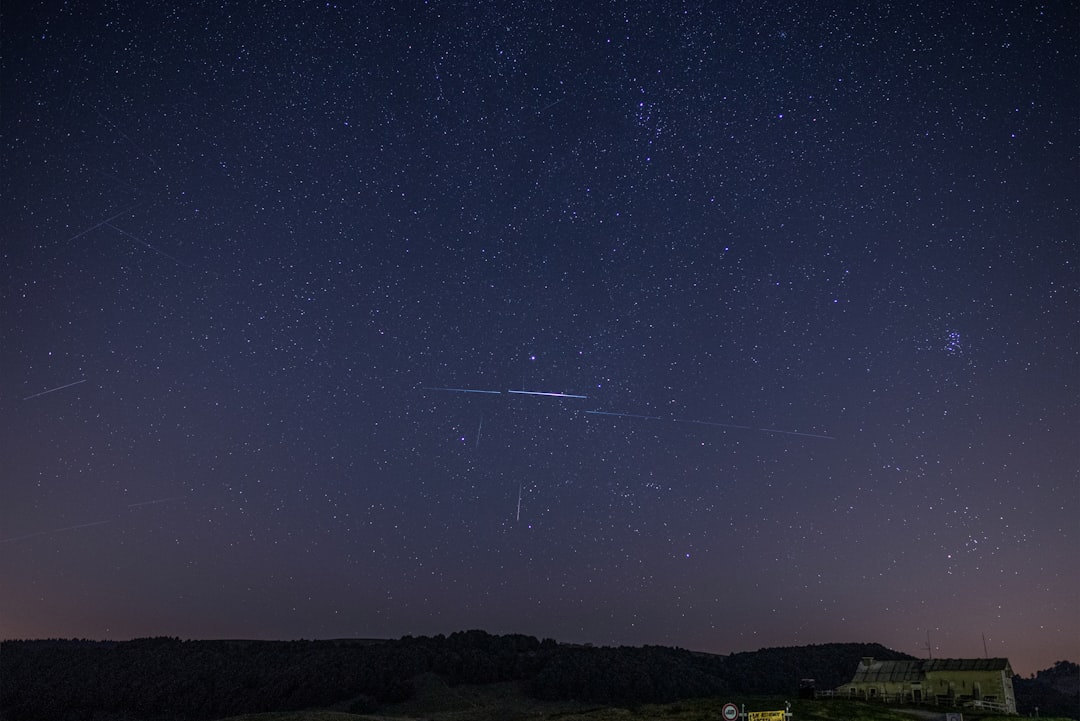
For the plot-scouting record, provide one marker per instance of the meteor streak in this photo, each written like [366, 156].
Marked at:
[543, 393]
[53, 390]
[463, 390]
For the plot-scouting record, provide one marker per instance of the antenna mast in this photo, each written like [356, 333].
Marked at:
[929, 648]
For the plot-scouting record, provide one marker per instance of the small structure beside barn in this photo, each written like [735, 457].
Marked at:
[984, 683]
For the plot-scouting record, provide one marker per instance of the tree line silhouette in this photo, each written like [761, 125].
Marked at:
[1054, 691]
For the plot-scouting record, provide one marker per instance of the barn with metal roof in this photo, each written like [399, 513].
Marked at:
[973, 682]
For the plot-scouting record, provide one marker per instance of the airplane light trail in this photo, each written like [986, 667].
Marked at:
[54, 390]
[543, 393]
[462, 390]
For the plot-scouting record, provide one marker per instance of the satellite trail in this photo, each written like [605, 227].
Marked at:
[155, 502]
[797, 433]
[51, 531]
[549, 106]
[107, 220]
[143, 243]
[624, 415]
[619, 414]
[711, 423]
[55, 530]
[54, 390]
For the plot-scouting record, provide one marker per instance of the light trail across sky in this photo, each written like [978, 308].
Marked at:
[624, 415]
[54, 390]
[619, 414]
[549, 394]
[710, 423]
[462, 390]
[546, 393]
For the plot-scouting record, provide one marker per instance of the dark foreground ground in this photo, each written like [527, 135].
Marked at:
[508, 702]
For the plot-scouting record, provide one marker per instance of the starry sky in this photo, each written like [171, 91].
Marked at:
[799, 279]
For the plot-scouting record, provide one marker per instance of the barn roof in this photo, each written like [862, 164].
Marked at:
[872, 671]
[965, 664]
[888, 672]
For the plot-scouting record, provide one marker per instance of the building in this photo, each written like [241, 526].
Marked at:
[979, 682]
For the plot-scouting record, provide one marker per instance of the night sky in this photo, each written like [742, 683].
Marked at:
[800, 281]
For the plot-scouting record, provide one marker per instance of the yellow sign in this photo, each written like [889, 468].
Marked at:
[765, 716]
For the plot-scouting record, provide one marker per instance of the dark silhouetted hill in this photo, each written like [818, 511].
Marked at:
[1054, 691]
[779, 670]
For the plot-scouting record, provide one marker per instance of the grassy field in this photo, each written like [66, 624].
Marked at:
[435, 701]
[705, 710]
